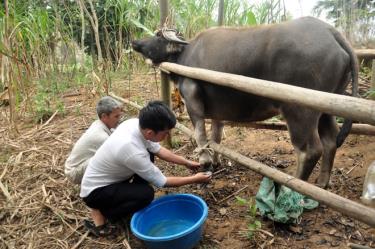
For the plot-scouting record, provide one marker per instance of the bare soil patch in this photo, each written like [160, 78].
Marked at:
[39, 208]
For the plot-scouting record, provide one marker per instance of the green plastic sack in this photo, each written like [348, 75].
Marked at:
[280, 203]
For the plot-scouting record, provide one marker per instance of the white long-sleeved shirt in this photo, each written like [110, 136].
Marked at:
[123, 154]
[84, 149]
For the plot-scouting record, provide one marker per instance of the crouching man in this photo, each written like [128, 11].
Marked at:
[118, 179]
[109, 114]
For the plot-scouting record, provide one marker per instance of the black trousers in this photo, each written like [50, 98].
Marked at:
[119, 200]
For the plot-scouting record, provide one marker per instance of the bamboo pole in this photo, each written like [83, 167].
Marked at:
[131, 103]
[359, 129]
[344, 106]
[357, 246]
[365, 53]
[336, 202]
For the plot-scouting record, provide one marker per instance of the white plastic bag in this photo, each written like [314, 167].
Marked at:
[368, 195]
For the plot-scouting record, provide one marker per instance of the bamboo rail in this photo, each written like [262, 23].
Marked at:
[336, 202]
[365, 53]
[358, 129]
[335, 104]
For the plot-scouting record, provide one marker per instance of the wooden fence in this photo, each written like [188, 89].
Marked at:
[344, 106]
[336, 202]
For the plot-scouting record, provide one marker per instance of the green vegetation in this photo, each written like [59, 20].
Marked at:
[253, 224]
[370, 94]
[49, 47]
[354, 18]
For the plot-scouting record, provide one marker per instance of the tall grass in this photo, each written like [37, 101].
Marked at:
[38, 51]
[40, 41]
[32, 70]
[192, 16]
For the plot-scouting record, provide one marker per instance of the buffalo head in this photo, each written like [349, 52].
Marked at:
[166, 45]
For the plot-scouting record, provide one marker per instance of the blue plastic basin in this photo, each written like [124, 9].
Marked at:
[171, 222]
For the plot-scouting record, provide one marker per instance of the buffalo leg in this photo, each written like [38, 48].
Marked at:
[328, 132]
[216, 135]
[303, 130]
[195, 109]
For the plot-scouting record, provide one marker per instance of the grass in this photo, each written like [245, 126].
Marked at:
[370, 94]
[253, 224]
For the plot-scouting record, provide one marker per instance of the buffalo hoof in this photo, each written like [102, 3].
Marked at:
[211, 167]
[216, 161]
[322, 182]
[205, 160]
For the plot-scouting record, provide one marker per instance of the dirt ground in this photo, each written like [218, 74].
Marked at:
[39, 208]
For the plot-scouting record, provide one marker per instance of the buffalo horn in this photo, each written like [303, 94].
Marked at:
[170, 35]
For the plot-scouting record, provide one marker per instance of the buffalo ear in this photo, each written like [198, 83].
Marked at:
[173, 48]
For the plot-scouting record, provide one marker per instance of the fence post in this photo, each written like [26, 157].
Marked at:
[373, 75]
[165, 86]
[165, 89]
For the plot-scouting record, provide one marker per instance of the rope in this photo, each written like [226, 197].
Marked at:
[205, 148]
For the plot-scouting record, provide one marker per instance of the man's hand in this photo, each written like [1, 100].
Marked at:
[202, 177]
[192, 165]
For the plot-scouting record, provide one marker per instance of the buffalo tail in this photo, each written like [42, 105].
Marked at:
[347, 125]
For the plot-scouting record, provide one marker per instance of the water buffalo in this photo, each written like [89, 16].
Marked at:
[305, 52]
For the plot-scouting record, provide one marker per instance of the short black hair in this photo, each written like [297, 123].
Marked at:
[156, 116]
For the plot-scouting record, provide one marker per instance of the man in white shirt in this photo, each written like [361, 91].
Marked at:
[117, 180]
[109, 114]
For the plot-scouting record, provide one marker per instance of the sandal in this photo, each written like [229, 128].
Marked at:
[99, 231]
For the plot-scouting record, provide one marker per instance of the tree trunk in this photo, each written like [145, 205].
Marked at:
[107, 46]
[220, 20]
[163, 12]
[95, 26]
[82, 14]
[8, 77]
[119, 48]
